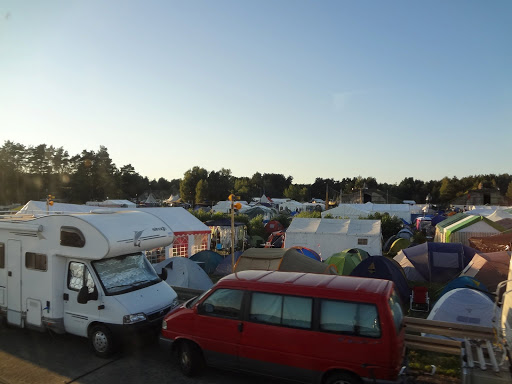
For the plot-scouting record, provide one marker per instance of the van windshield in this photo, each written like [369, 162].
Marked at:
[125, 273]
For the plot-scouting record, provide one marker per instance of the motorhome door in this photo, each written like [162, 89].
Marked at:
[13, 264]
[77, 316]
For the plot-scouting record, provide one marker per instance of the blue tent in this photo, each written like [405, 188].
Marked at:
[464, 282]
[434, 262]
[381, 267]
[208, 260]
[225, 268]
[437, 219]
[308, 252]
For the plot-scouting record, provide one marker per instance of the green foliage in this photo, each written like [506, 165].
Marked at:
[390, 225]
[285, 220]
[448, 365]
[419, 237]
[309, 214]
[509, 191]
[256, 227]
[295, 192]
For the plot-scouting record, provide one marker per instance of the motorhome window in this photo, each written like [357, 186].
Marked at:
[2, 255]
[78, 276]
[125, 273]
[292, 311]
[396, 311]
[223, 303]
[358, 319]
[72, 237]
[362, 241]
[36, 261]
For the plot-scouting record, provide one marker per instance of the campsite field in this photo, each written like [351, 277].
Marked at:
[33, 357]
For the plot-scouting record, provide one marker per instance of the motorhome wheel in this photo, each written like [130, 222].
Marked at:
[102, 341]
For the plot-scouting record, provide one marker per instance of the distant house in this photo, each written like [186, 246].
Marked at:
[480, 196]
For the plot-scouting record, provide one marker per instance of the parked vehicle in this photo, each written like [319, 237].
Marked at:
[300, 326]
[84, 273]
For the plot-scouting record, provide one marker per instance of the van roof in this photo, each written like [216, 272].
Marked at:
[250, 279]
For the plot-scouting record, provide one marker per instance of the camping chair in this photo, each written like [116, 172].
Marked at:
[419, 299]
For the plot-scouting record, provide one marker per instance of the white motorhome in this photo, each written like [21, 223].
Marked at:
[84, 273]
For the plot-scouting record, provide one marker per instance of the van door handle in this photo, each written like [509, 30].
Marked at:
[240, 327]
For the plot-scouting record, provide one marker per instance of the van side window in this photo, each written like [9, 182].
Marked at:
[78, 276]
[36, 261]
[396, 311]
[223, 303]
[357, 319]
[292, 311]
[2, 255]
[71, 237]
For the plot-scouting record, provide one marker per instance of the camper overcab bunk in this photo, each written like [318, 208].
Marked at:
[84, 273]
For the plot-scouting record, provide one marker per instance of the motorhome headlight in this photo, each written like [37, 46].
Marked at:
[164, 324]
[130, 319]
[175, 303]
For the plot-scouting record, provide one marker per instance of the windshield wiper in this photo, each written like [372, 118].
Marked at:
[121, 286]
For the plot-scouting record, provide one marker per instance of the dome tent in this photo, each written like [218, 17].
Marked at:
[344, 262]
[381, 267]
[464, 306]
[183, 272]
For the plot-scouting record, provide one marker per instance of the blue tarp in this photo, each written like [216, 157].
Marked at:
[464, 282]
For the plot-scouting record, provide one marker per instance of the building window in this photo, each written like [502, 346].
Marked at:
[362, 241]
[71, 237]
[200, 243]
[156, 255]
[180, 246]
[2, 255]
[36, 261]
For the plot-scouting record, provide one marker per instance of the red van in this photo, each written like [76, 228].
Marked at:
[300, 326]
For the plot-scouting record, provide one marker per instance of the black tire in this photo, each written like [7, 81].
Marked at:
[342, 378]
[189, 358]
[102, 341]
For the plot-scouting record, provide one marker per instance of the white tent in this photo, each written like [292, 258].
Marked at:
[402, 211]
[464, 306]
[500, 214]
[39, 207]
[329, 236]
[183, 272]
[112, 203]
[346, 211]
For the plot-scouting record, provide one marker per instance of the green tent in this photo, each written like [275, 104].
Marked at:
[399, 244]
[491, 228]
[358, 251]
[344, 262]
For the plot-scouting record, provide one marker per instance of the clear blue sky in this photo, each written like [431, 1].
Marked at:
[332, 89]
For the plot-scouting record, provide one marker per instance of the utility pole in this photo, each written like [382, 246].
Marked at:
[326, 197]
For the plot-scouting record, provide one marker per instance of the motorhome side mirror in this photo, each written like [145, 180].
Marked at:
[83, 295]
[163, 274]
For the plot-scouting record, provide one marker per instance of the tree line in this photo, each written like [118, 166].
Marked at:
[33, 172]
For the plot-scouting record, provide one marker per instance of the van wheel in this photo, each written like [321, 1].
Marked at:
[102, 341]
[342, 378]
[190, 359]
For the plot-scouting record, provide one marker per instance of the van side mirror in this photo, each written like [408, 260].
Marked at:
[83, 295]
[208, 308]
[163, 274]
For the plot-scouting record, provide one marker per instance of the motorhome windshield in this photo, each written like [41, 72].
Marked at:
[125, 273]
